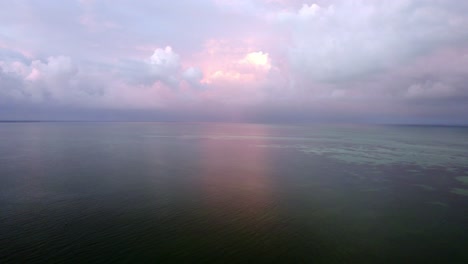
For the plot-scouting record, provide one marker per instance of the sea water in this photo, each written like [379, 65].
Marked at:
[211, 192]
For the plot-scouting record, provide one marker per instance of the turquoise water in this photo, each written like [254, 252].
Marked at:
[172, 193]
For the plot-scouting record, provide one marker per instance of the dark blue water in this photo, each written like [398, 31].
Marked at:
[179, 193]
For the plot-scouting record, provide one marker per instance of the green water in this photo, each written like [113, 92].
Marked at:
[236, 193]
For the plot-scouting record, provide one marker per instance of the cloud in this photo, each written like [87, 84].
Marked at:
[193, 75]
[164, 65]
[257, 59]
[56, 80]
[320, 57]
[54, 69]
[430, 89]
[11, 86]
[351, 39]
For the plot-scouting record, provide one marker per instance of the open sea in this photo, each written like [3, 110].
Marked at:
[232, 193]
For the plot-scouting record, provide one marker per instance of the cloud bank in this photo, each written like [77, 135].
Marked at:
[249, 60]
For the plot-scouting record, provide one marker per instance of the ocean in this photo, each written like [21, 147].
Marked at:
[91, 192]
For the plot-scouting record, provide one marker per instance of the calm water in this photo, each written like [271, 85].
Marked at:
[153, 192]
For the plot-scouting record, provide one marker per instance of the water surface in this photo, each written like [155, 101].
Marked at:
[161, 192]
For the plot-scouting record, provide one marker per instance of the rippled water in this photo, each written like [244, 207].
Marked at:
[158, 192]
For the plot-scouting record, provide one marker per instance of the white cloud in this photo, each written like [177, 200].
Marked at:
[165, 60]
[164, 65]
[257, 59]
[309, 10]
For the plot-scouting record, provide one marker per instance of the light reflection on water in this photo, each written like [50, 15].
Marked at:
[236, 177]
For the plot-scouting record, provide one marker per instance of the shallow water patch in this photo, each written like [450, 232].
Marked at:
[425, 187]
[437, 203]
[459, 191]
[462, 179]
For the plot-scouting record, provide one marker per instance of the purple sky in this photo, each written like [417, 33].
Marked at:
[235, 60]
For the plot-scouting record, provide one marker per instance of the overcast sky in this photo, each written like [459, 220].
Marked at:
[235, 60]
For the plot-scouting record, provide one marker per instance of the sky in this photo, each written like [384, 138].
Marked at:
[395, 61]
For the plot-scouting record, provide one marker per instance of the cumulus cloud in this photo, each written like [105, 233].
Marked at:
[233, 63]
[164, 65]
[350, 39]
[56, 80]
[53, 69]
[257, 59]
